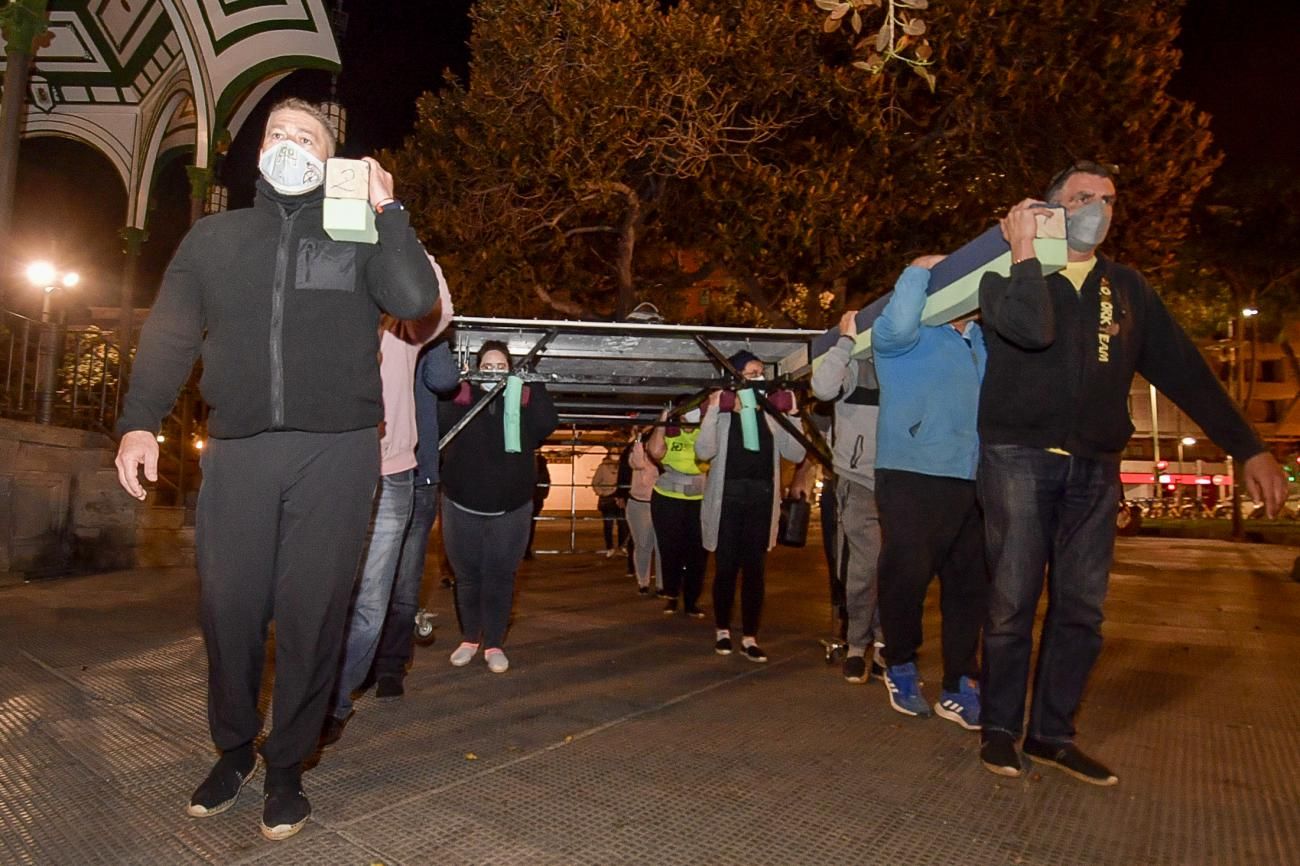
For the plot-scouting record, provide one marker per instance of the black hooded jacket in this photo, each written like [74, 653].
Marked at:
[1061, 363]
[285, 319]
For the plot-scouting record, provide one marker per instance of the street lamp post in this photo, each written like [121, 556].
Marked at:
[1182, 470]
[44, 276]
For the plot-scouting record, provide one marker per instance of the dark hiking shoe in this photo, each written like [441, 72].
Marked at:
[670, 606]
[221, 788]
[389, 688]
[694, 613]
[723, 646]
[1068, 758]
[998, 754]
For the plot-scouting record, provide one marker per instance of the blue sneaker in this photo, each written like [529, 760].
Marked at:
[961, 706]
[904, 685]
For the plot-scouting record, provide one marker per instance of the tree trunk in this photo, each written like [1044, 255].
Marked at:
[627, 237]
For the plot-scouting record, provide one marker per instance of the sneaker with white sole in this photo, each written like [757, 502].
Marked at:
[1070, 759]
[496, 661]
[221, 788]
[285, 808]
[961, 706]
[464, 654]
[904, 684]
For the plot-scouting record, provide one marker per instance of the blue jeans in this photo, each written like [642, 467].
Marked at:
[391, 513]
[1040, 510]
[395, 643]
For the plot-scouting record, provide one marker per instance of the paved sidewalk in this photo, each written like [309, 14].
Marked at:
[619, 737]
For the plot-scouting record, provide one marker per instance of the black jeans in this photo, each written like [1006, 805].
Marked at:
[485, 551]
[396, 642]
[830, 520]
[613, 516]
[1043, 509]
[282, 521]
[681, 546]
[744, 528]
[931, 524]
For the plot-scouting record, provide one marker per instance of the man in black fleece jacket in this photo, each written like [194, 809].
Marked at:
[286, 321]
[1053, 419]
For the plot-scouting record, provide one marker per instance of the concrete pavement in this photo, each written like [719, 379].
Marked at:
[619, 737]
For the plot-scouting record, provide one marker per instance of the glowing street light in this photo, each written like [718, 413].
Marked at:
[1189, 440]
[1249, 312]
[46, 277]
[41, 274]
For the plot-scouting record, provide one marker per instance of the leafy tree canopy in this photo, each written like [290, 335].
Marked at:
[599, 140]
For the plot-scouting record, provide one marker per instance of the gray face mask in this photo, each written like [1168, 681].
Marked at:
[1086, 228]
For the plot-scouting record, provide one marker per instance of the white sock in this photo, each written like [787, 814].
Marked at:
[724, 632]
[748, 641]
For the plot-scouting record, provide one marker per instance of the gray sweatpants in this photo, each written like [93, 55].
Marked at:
[858, 544]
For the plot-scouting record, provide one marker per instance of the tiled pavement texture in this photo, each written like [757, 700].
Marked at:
[618, 736]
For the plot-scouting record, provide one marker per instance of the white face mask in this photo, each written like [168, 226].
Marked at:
[290, 169]
[692, 417]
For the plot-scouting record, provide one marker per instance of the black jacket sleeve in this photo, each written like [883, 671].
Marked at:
[399, 276]
[1170, 361]
[541, 414]
[438, 372]
[169, 343]
[624, 473]
[542, 418]
[1019, 308]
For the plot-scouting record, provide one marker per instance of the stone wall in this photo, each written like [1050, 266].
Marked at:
[61, 508]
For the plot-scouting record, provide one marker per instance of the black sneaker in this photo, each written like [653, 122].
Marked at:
[998, 754]
[285, 808]
[643, 591]
[660, 594]
[389, 688]
[221, 788]
[694, 613]
[753, 653]
[332, 731]
[1068, 758]
[855, 669]
[670, 606]
[723, 646]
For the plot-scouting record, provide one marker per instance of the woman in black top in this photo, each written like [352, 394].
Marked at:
[488, 482]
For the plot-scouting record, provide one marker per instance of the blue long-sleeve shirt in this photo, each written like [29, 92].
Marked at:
[929, 386]
[435, 373]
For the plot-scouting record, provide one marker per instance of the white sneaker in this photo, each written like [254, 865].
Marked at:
[463, 654]
[496, 661]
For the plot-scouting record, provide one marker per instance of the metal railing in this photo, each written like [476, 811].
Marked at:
[52, 374]
[73, 377]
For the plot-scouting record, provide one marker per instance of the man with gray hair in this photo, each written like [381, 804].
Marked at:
[1053, 421]
[286, 320]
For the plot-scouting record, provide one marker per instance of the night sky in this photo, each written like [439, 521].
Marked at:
[1237, 65]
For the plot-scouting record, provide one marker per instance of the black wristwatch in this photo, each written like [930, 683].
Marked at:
[392, 205]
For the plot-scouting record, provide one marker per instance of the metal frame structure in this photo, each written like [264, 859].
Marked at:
[608, 374]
